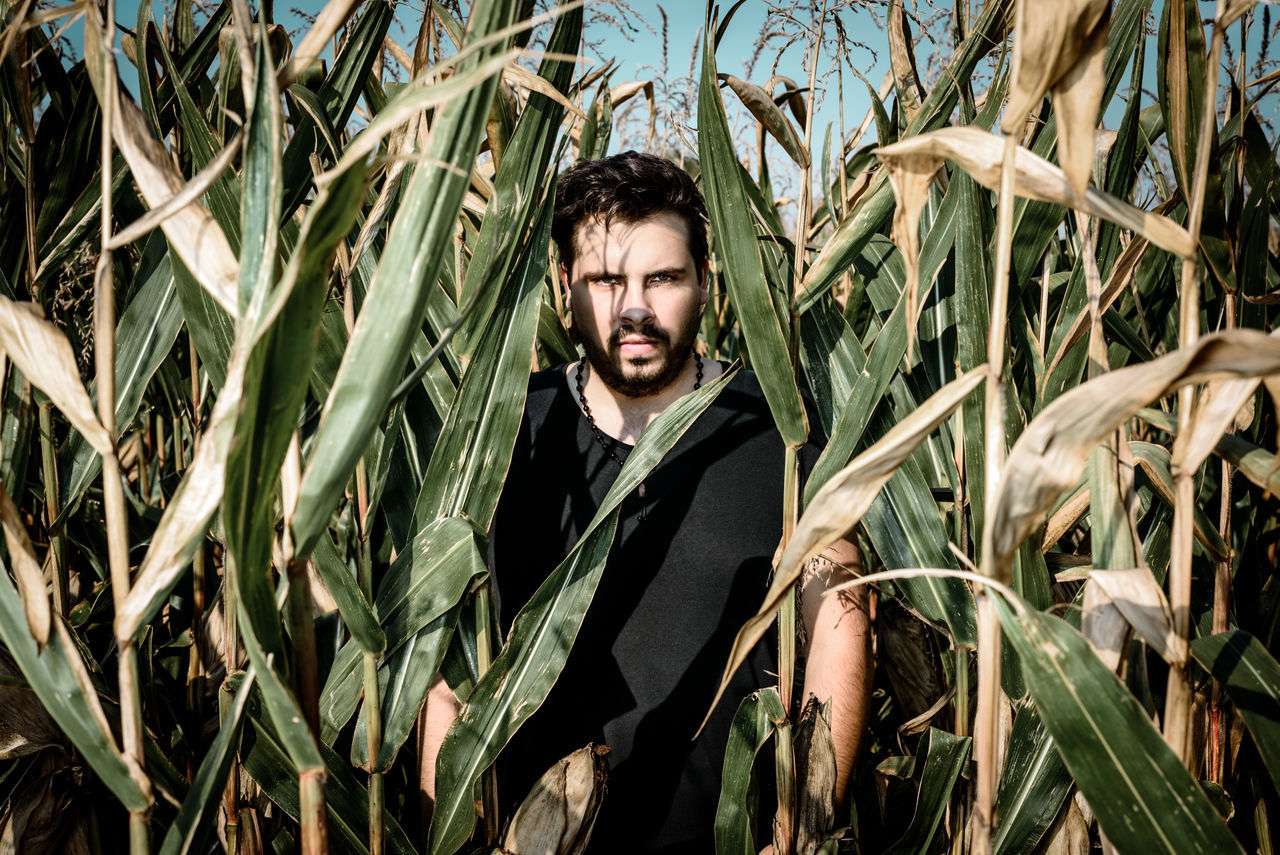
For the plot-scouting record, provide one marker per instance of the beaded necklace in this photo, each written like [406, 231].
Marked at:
[599, 434]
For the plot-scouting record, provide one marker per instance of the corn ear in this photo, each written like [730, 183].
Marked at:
[557, 816]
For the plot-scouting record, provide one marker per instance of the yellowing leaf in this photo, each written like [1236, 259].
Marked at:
[1060, 45]
[26, 570]
[757, 100]
[1138, 597]
[981, 154]
[902, 60]
[910, 176]
[191, 230]
[44, 355]
[1049, 456]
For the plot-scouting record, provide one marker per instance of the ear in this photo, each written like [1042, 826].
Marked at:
[704, 284]
[564, 281]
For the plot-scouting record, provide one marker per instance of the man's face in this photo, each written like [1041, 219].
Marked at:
[636, 298]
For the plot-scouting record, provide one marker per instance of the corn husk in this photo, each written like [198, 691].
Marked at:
[557, 816]
[1061, 46]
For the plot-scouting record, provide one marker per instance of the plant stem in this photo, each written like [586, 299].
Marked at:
[484, 660]
[311, 814]
[1177, 721]
[303, 633]
[373, 731]
[987, 726]
[785, 776]
[49, 465]
[104, 338]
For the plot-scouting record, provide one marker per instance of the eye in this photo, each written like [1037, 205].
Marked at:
[604, 281]
[662, 278]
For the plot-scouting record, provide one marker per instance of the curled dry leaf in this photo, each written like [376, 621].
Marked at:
[626, 91]
[26, 570]
[1102, 624]
[840, 503]
[761, 105]
[902, 60]
[981, 154]
[1138, 597]
[331, 17]
[39, 348]
[557, 816]
[1121, 275]
[187, 516]
[1049, 456]
[1061, 45]
[1215, 414]
[910, 177]
[191, 230]
[792, 94]
[517, 75]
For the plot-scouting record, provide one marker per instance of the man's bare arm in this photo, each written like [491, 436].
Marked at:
[441, 710]
[839, 667]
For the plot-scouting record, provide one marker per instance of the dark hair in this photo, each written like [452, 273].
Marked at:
[628, 187]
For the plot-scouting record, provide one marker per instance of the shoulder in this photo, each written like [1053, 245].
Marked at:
[547, 391]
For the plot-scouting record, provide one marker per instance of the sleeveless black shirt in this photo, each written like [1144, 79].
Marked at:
[689, 565]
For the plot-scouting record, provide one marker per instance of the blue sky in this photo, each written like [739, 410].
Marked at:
[632, 34]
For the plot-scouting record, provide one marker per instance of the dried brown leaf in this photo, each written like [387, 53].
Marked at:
[1102, 624]
[792, 94]
[1049, 456]
[331, 17]
[815, 760]
[902, 59]
[192, 231]
[981, 154]
[1215, 413]
[840, 503]
[517, 75]
[1060, 45]
[910, 176]
[26, 570]
[1122, 273]
[761, 105]
[1138, 597]
[39, 348]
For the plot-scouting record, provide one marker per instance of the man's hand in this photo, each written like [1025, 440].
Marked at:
[838, 667]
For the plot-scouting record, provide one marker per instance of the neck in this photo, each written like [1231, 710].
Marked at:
[625, 418]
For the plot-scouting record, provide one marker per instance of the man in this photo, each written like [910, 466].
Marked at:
[692, 556]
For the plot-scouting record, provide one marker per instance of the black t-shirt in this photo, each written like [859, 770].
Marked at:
[678, 585]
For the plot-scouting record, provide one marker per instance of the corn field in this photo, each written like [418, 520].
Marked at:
[266, 326]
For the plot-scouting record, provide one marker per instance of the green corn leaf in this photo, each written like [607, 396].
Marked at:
[346, 800]
[875, 206]
[144, 339]
[541, 634]
[397, 298]
[753, 723]
[69, 699]
[1251, 677]
[431, 578]
[517, 186]
[356, 614]
[464, 477]
[741, 263]
[944, 758]
[402, 687]
[338, 96]
[1143, 797]
[199, 807]
[1033, 786]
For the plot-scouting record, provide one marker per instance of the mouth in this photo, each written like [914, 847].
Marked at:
[638, 346]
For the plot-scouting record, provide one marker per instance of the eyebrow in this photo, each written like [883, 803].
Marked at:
[674, 272]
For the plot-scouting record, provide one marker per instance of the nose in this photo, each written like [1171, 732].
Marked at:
[635, 307]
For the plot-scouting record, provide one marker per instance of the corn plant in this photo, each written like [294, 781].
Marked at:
[267, 323]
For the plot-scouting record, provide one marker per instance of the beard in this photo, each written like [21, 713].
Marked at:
[640, 378]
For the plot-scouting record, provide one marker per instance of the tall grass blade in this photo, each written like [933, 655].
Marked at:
[1145, 801]
[945, 755]
[753, 723]
[1251, 678]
